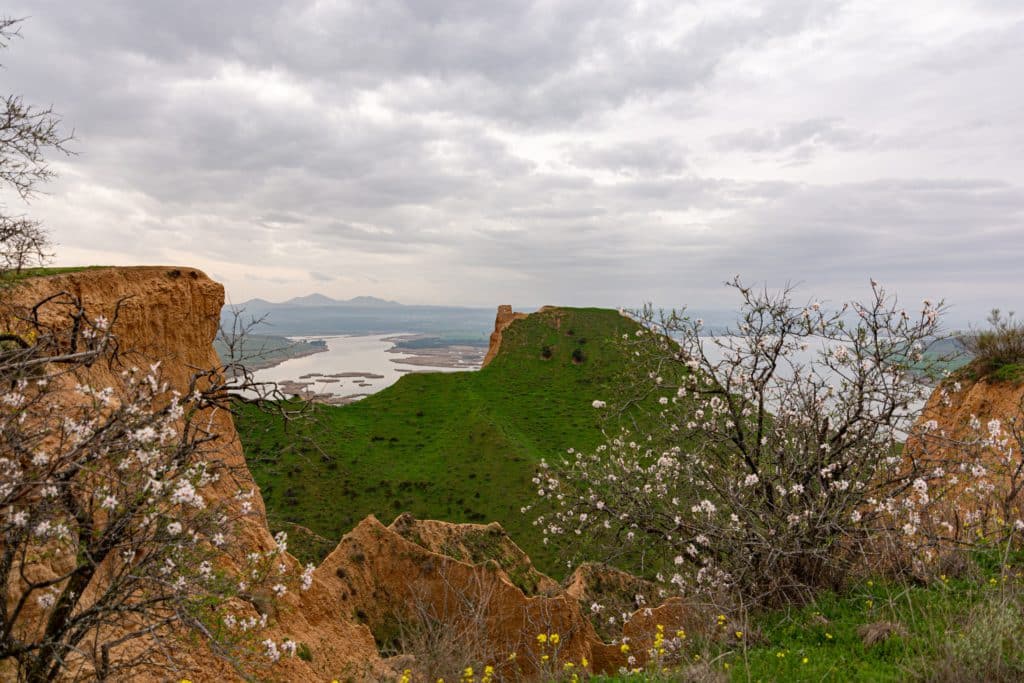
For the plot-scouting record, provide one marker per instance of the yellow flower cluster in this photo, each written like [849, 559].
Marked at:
[544, 638]
[659, 641]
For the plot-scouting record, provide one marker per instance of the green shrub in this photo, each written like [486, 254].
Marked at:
[1000, 345]
[987, 645]
[1011, 372]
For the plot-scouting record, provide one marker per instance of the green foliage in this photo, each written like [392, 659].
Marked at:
[461, 447]
[1011, 372]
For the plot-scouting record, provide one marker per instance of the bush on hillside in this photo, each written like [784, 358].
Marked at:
[1000, 345]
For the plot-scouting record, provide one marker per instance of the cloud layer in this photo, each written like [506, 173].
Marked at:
[578, 152]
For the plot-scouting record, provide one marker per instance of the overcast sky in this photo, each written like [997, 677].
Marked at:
[581, 153]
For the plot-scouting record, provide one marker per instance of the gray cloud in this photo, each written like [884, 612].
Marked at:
[660, 156]
[576, 152]
[797, 141]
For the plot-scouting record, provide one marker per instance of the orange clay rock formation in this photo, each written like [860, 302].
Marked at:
[955, 401]
[171, 315]
[389, 578]
[950, 435]
[477, 544]
[613, 592]
[673, 616]
[506, 316]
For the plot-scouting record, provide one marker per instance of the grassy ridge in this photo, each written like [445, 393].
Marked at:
[11, 277]
[460, 446]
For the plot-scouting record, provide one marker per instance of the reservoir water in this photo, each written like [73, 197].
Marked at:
[368, 355]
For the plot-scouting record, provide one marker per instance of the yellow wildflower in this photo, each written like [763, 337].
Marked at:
[624, 648]
[542, 638]
[739, 635]
[553, 638]
[804, 660]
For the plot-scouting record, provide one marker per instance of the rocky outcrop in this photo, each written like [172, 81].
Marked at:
[477, 544]
[955, 402]
[464, 583]
[955, 432]
[639, 631]
[506, 316]
[607, 591]
[171, 315]
[404, 590]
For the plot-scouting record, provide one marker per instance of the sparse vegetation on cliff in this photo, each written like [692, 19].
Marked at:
[998, 351]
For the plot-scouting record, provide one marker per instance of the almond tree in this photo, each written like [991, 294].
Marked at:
[777, 461]
[110, 548]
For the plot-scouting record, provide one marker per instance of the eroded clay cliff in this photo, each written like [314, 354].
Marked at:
[506, 316]
[171, 315]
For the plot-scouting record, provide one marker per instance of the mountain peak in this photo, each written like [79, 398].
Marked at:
[370, 301]
[312, 300]
[317, 299]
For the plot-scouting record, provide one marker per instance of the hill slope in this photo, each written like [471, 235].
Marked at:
[460, 447]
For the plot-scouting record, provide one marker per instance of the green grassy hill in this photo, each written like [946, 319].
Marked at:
[460, 447]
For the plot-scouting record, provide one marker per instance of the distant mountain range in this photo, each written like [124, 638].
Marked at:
[317, 314]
